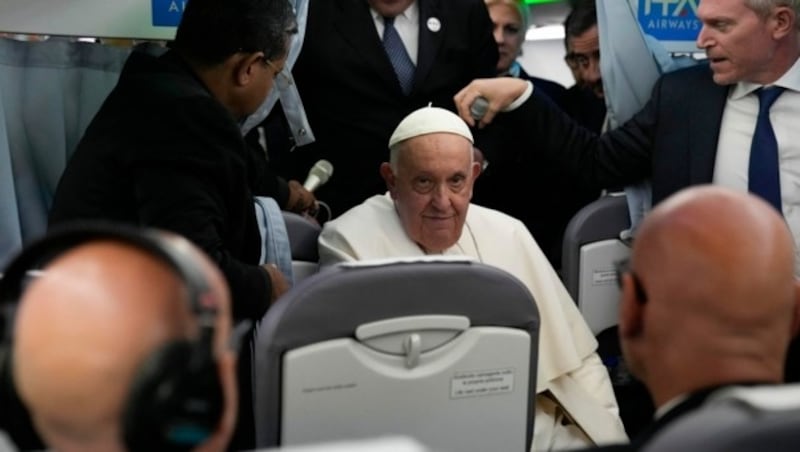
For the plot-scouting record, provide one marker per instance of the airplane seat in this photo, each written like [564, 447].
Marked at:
[737, 419]
[303, 236]
[49, 92]
[379, 444]
[591, 246]
[442, 350]
[5, 443]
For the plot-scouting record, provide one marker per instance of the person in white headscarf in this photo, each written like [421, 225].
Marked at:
[427, 211]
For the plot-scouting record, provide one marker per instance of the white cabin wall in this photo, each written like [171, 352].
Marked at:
[545, 59]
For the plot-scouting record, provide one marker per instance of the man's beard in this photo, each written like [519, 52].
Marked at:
[596, 88]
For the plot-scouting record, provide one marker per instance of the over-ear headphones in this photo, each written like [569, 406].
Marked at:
[176, 399]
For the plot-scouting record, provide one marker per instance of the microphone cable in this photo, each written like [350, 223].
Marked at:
[327, 210]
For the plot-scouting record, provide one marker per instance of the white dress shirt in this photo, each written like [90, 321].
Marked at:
[736, 135]
[407, 26]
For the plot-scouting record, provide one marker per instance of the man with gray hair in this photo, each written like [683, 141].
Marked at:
[427, 211]
[731, 122]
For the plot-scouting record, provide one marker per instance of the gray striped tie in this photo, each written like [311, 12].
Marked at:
[403, 66]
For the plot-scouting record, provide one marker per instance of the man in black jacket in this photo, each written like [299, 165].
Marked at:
[165, 149]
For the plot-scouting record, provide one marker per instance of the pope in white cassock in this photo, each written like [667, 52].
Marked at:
[427, 211]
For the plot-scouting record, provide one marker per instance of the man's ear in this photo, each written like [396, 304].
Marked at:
[784, 20]
[476, 170]
[478, 157]
[388, 177]
[244, 68]
[631, 310]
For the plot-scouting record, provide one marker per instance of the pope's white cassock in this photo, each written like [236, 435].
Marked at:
[569, 369]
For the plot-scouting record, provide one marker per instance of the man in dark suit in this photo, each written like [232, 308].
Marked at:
[709, 300]
[165, 148]
[352, 94]
[512, 168]
[699, 124]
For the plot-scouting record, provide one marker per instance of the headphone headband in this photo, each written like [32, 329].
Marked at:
[61, 239]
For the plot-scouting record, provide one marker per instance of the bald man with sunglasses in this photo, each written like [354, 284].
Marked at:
[709, 300]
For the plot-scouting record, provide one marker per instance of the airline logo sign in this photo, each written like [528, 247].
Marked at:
[167, 13]
[670, 20]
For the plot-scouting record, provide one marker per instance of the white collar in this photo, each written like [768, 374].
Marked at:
[790, 80]
[411, 13]
[669, 405]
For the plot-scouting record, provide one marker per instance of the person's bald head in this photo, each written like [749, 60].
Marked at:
[717, 299]
[85, 327]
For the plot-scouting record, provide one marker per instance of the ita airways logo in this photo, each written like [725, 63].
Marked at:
[167, 13]
[670, 20]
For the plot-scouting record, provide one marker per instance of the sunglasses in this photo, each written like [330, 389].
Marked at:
[622, 267]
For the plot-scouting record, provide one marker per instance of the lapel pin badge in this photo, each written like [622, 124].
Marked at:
[434, 25]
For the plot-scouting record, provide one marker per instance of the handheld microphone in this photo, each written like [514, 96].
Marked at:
[479, 108]
[319, 174]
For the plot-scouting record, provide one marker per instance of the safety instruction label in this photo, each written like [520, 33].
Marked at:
[481, 383]
[603, 277]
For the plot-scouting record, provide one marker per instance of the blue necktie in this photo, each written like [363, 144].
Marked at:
[403, 66]
[763, 178]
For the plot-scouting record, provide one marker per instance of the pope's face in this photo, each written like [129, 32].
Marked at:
[431, 186]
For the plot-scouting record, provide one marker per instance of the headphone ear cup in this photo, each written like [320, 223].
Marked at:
[175, 401]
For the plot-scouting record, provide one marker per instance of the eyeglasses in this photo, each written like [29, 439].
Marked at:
[582, 60]
[278, 73]
[622, 267]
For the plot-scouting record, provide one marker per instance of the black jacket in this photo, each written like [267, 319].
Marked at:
[162, 152]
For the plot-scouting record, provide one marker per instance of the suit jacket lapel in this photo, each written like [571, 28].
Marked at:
[429, 40]
[704, 132]
[353, 20]
[691, 403]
